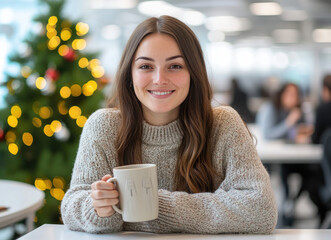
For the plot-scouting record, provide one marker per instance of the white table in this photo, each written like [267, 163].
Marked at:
[22, 199]
[60, 232]
[278, 151]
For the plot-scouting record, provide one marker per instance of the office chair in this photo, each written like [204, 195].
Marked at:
[326, 167]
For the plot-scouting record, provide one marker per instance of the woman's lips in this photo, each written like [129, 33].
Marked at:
[161, 94]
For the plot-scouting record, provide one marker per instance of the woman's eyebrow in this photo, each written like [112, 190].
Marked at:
[152, 60]
[173, 57]
[145, 58]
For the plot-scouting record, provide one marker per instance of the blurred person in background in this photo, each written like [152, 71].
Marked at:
[283, 118]
[323, 111]
[240, 101]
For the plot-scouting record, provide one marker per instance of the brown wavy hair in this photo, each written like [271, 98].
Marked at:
[194, 170]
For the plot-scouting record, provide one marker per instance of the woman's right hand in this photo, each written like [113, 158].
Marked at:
[104, 195]
[293, 117]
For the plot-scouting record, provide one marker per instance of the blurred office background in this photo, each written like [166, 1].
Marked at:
[260, 44]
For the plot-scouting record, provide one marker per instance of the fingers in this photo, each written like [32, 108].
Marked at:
[105, 202]
[102, 185]
[106, 177]
[102, 194]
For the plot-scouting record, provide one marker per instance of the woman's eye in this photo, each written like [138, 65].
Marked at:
[145, 67]
[176, 66]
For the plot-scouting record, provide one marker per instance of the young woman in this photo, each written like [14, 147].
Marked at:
[210, 177]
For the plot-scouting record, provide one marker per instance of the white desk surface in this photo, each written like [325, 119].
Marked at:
[278, 151]
[60, 232]
[22, 199]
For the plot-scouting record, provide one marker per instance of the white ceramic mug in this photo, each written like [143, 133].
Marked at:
[138, 192]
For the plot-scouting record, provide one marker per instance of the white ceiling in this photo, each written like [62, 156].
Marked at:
[318, 14]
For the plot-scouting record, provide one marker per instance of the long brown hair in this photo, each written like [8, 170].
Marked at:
[194, 170]
[277, 98]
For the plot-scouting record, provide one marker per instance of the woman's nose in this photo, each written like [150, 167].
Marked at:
[160, 77]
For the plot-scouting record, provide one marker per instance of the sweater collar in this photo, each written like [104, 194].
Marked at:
[162, 135]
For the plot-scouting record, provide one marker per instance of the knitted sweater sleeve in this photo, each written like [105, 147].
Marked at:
[242, 203]
[91, 165]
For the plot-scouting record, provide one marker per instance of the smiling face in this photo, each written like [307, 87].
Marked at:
[161, 79]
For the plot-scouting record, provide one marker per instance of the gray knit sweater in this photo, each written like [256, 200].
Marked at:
[243, 201]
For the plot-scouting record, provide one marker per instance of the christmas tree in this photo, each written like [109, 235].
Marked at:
[47, 105]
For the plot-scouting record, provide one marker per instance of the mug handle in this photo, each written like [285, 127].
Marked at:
[114, 179]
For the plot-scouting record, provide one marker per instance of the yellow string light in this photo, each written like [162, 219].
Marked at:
[58, 182]
[62, 108]
[48, 130]
[45, 112]
[12, 121]
[16, 111]
[10, 137]
[81, 120]
[82, 28]
[54, 42]
[75, 112]
[66, 34]
[48, 183]
[88, 89]
[26, 71]
[13, 148]
[51, 34]
[76, 90]
[36, 107]
[56, 126]
[57, 193]
[65, 92]
[52, 20]
[98, 72]
[83, 62]
[40, 83]
[63, 50]
[93, 84]
[93, 63]
[27, 138]
[40, 184]
[78, 44]
[36, 122]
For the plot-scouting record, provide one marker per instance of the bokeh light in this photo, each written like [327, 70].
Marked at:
[27, 138]
[62, 108]
[48, 130]
[26, 71]
[52, 20]
[75, 112]
[45, 112]
[10, 137]
[56, 126]
[63, 50]
[16, 111]
[40, 83]
[76, 90]
[36, 122]
[13, 148]
[83, 62]
[79, 44]
[66, 34]
[12, 121]
[81, 120]
[82, 28]
[65, 92]
[57, 193]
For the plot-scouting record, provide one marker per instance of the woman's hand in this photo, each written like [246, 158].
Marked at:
[104, 195]
[293, 117]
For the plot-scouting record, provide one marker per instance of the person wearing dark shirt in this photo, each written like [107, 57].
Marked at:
[323, 112]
